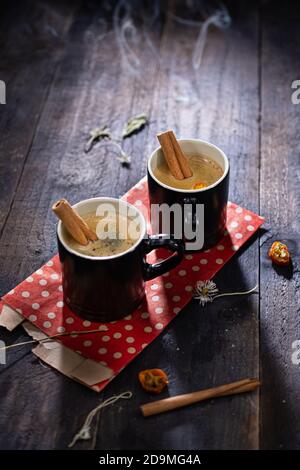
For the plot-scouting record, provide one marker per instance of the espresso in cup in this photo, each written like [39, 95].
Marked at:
[203, 209]
[206, 171]
[112, 230]
[109, 283]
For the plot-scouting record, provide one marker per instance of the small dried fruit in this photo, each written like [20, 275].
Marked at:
[199, 185]
[279, 253]
[153, 380]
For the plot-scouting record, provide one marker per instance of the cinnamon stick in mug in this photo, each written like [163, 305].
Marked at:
[170, 155]
[176, 160]
[181, 158]
[75, 225]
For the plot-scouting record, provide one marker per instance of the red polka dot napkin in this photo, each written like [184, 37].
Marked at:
[40, 299]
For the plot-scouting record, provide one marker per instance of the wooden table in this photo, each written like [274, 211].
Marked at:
[67, 72]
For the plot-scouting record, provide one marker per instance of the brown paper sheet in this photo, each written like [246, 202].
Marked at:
[53, 353]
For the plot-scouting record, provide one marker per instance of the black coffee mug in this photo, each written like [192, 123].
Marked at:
[108, 288]
[203, 209]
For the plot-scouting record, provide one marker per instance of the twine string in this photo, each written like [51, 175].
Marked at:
[85, 432]
[44, 340]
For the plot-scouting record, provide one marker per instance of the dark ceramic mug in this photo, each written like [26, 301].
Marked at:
[211, 201]
[109, 288]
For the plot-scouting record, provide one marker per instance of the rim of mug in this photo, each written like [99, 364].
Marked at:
[199, 141]
[103, 258]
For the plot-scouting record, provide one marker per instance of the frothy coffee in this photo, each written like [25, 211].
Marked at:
[117, 233]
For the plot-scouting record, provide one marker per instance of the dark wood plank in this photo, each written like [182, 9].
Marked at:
[219, 344]
[200, 348]
[31, 47]
[89, 88]
[280, 202]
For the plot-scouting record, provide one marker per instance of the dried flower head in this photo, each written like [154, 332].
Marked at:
[205, 291]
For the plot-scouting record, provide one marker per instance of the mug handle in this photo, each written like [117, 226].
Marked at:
[150, 271]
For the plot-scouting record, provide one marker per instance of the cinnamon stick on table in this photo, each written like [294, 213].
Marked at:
[75, 225]
[168, 404]
[176, 159]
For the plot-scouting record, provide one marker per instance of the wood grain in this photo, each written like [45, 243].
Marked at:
[66, 74]
[280, 203]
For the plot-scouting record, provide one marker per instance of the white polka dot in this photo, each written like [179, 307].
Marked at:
[147, 329]
[25, 294]
[139, 186]
[144, 345]
[154, 286]
[29, 279]
[69, 320]
[42, 282]
[102, 351]
[129, 317]
[130, 339]
[250, 228]
[220, 247]
[188, 288]
[87, 343]
[207, 251]
[235, 247]
[176, 310]
[105, 338]
[45, 293]
[234, 224]
[155, 298]
[168, 285]
[60, 288]
[176, 298]
[102, 328]
[195, 268]
[86, 323]
[54, 276]
[11, 292]
[238, 236]
[49, 263]
[47, 324]
[203, 261]
[138, 202]
[117, 355]
[51, 315]
[73, 335]
[39, 271]
[145, 315]
[159, 310]
[117, 335]
[35, 306]
[32, 318]
[188, 256]
[60, 304]
[228, 203]
[182, 272]
[166, 274]
[61, 329]
[219, 261]
[248, 218]
[238, 210]
[159, 326]
[128, 327]
[103, 363]
[131, 350]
